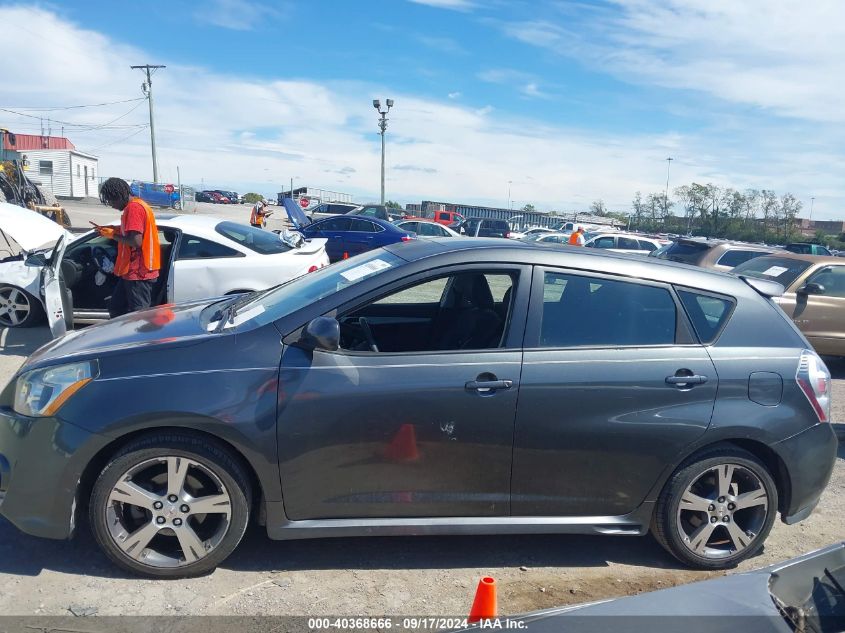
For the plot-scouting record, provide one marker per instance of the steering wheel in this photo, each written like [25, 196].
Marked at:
[368, 333]
[71, 272]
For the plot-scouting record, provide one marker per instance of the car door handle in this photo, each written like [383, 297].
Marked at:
[488, 385]
[682, 381]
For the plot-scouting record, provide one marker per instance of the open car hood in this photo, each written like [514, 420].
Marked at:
[295, 213]
[28, 228]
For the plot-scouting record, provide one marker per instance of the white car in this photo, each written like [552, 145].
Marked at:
[201, 257]
[537, 230]
[426, 228]
[627, 243]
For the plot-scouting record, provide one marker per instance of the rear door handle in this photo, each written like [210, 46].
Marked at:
[681, 381]
[488, 385]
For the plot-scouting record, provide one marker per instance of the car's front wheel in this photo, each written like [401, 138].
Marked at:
[170, 505]
[18, 308]
[716, 509]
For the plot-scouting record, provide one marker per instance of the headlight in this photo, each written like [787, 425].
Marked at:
[42, 392]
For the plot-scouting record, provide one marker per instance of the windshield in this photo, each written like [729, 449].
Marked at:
[298, 293]
[783, 270]
[255, 239]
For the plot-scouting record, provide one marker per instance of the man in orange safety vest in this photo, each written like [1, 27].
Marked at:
[258, 217]
[577, 237]
[138, 250]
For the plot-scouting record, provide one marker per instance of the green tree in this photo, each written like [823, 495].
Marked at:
[529, 208]
[390, 204]
[598, 208]
[252, 198]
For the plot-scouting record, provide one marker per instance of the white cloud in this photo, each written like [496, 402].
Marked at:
[455, 5]
[442, 44]
[325, 134]
[525, 83]
[454, 95]
[787, 57]
[238, 15]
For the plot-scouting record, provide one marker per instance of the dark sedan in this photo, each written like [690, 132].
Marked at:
[462, 386]
[347, 235]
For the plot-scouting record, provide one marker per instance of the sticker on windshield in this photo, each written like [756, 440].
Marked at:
[354, 274]
[775, 271]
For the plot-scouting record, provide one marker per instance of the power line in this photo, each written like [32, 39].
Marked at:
[76, 107]
[82, 127]
[123, 138]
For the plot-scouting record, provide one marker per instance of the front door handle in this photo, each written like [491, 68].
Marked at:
[685, 381]
[488, 385]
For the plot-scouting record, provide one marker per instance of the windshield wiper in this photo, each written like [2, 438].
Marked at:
[228, 313]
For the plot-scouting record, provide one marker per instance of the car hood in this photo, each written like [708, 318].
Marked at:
[295, 213]
[28, 228]
[163, 325]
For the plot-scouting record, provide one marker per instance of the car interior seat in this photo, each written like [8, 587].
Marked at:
[468, 317]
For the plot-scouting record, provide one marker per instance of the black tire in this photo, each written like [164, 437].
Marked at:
[36, 309]
[213, 456]
[667, 525]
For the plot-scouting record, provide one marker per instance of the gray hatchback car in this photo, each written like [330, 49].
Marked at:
[460, 386]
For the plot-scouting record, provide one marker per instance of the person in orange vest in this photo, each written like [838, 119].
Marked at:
[138, 251]
[577, 237]
[258, 217]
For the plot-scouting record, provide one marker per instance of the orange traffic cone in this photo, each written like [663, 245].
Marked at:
[403, 446]
[484, 605]
[345, 255]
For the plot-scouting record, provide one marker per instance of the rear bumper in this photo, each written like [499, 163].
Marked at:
[41, 462]
[809, 458]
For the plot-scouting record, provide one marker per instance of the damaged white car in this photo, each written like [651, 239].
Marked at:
[43, 268]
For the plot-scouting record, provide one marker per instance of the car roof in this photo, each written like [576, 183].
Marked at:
[576, 257]
[815, 259]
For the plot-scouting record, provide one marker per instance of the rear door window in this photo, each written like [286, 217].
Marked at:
[362, 226]
[628, 244]
[647, 246]
[707, 313]
[593, 311]
[605, 242]
[335, 224]
[735, 257]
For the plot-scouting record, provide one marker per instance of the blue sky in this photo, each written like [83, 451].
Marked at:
[569, 101]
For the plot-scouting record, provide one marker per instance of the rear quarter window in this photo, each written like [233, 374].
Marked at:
[735, 257]
[707, 313]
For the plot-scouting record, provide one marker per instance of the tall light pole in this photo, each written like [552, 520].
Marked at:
[147, 88]
[812, 200]
[382, 124]
[509, 194]
[666, 195]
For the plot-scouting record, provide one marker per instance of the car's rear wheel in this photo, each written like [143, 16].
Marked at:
[170, 505]
[18, 308]
[717, 509]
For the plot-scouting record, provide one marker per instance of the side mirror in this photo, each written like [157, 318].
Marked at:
[811, 289]
[321, 333]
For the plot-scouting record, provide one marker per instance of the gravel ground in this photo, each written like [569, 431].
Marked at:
[372, 576]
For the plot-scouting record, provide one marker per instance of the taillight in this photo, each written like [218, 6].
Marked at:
[814, 379]
[313, 269]
[407, 238]
[508, 235]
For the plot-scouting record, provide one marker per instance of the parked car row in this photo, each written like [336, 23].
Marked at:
[219, 197]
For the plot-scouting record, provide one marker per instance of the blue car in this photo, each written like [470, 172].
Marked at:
[346, 235]
[154, 194]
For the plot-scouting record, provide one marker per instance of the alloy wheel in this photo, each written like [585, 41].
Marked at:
[722, 511]
[14, 306]
[168, 512]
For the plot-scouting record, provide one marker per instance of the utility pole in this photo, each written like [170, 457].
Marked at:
[812, 200]
[382, 124]
[147, 89]
[509, 195]
[666, 195]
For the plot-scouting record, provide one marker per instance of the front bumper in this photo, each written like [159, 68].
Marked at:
[809, 458]
[41, 463]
